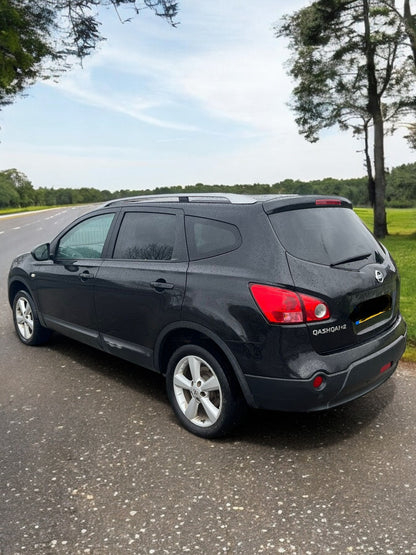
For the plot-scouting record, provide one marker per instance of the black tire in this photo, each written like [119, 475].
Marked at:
[206, 399]
[26, 321]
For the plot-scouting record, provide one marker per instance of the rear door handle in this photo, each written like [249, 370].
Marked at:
[161, 284]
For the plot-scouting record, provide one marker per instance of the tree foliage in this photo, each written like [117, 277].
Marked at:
[351, 63]
[40, 38]
[16, 190]
[24, 43]
[334, 58]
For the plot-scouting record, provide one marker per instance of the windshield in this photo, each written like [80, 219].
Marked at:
[330, 236]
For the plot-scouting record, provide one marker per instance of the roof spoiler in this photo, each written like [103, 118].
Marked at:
[305, 201]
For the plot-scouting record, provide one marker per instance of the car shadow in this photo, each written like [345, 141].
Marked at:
[300, 431]
[313, 430]
[145, 381]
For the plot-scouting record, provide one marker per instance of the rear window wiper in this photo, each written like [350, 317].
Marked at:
[352, 259]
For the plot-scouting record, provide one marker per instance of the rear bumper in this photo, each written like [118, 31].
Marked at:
[358, 378]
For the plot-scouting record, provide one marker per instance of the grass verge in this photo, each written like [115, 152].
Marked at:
[401, 243]
[6, 211]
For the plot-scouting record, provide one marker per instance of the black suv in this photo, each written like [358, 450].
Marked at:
[281, 302]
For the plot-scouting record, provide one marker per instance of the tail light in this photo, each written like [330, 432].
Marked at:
[282, 306]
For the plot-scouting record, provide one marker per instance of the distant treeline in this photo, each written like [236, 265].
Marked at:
[17, 191]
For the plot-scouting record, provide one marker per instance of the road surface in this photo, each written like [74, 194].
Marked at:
[92, 459]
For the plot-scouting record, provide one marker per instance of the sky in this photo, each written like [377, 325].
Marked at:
[205, 102]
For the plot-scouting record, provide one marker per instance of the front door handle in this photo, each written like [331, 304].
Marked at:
[86, 275]
[161, 284]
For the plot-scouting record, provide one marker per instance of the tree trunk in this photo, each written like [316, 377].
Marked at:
[410, 28]
[380, 220]
[374, 108]
[371, 185]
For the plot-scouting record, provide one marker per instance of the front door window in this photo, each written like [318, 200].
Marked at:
[86, 239]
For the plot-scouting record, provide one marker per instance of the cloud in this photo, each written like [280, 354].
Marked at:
[241, 85]
[82, 89]
[237, 78]
[161, 106]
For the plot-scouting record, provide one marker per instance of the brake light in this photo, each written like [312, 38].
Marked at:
[282, 306]
[328, 202]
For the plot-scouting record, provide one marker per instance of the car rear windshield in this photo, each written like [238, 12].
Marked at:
[329, 235]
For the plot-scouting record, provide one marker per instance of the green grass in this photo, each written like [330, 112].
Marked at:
[401, 243]
[5, 211]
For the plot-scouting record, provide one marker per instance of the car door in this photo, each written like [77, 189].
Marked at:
[65, 284]
[140, 289]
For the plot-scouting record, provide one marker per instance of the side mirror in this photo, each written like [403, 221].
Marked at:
[42, 252]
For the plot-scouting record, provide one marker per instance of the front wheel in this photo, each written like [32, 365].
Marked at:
[26, 322]
[205, 399]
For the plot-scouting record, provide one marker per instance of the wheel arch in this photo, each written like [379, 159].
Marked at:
[15, 285]
[183, 333]
[19, 283]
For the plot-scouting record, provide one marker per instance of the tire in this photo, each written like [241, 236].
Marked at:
[205, 399]
[26, 321]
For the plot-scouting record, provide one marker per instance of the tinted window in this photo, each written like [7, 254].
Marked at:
[326, 236]
[146, 236]
[210, 237]
[86, 239]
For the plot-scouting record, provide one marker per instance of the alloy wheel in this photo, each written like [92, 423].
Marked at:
[197, 391]
[24, 318]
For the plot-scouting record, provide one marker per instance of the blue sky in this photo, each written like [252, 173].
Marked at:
[205, 102]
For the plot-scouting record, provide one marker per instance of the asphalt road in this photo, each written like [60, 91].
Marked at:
[92, 459]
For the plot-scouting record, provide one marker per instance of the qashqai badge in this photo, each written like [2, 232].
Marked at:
[379, 276]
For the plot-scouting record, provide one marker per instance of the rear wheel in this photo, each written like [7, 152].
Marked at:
[26, 321]
[205, 399]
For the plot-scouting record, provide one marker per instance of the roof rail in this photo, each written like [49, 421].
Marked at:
[221, 198]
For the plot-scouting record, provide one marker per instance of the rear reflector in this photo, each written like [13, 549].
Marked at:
[282, 306]
[386, 367]
[328, 202]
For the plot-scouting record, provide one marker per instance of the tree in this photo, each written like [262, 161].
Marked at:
[9, 197]
[15, 189]
[411, 135]
[23, 45]
[408, 20]
[352, 70]
[402, 182]
[40, 38]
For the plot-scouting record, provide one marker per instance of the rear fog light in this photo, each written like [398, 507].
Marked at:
[318, 382]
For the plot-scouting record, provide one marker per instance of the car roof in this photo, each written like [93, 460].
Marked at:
[270, 202]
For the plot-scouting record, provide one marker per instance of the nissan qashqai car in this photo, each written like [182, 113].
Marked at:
[281, 302]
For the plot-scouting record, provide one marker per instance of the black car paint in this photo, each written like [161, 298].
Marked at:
[118, 306]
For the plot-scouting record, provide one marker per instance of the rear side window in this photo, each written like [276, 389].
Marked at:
[329, 236]
[208, 237]
[146, 236]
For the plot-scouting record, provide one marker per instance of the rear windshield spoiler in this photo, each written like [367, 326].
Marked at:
[305, 201]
